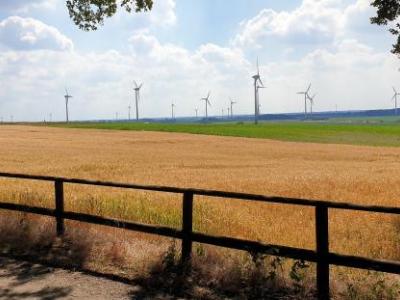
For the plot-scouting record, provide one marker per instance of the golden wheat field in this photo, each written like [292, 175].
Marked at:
[358, 174]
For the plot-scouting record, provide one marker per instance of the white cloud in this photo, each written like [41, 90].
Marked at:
[352, 75]
[163, 13]
[314, 21]
[30, 34]
[101, 83]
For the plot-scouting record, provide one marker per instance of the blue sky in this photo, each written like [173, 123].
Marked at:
[184, 48]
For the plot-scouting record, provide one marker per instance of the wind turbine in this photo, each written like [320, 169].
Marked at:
[395, 100]
[172, 111]
[129, 112]
[311, 102]
[231, 104]
[197, 111]
[207, 103]
[257, 85]
[137, 97]
[67, 97]
[305, 99]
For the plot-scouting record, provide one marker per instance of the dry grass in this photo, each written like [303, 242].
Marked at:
[357, 174]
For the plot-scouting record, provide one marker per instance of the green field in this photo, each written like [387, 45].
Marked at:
[385, 134]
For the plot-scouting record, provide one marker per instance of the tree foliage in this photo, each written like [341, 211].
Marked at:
[89, 14]
[387, 12]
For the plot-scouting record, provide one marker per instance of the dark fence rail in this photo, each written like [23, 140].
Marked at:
[321, 255]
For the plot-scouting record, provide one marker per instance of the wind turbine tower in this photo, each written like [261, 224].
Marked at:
[257, 85]
[67, 97]
[129, 113]
[306, 96]
[197, 112]
[172, 111]
[395, 100]
[207, 103]
[137, 97]
[231, 109]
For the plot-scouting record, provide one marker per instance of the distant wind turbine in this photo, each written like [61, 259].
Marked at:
[305, 99]
[129, 113]
[197, 111]
[207, 103]
[395, 100]
[67, 97]
[311, 99]
[172, 111]
[137, 97]
[257, 85]
[231, 106]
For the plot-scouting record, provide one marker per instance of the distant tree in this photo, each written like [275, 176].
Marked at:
[89, 14]
[387, 12]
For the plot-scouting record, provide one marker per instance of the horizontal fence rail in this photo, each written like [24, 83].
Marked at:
[321, 255]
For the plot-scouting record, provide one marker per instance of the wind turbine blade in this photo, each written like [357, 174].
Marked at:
[140, 86]
[262, 84]
[258, 68]
[394, 90]
[208, 96]
[134, 82]
[308, 89]
[208, 102]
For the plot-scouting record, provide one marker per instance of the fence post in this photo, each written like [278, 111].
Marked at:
[59, 189]
[187, 226]
[322, 234]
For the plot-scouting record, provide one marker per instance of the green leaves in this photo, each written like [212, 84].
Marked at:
[90, 14]
[388, 11]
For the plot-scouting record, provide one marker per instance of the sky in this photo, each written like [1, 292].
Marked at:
[183, 49]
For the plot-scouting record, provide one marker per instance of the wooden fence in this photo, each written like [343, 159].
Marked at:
[321, 255]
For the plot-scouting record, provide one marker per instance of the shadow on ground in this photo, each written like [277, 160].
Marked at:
[17, 274]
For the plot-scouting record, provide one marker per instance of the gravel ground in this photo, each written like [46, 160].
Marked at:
[22, 280]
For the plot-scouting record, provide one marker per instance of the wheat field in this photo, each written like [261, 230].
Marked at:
[357, 174]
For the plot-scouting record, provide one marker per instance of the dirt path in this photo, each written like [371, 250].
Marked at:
[22, 280]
